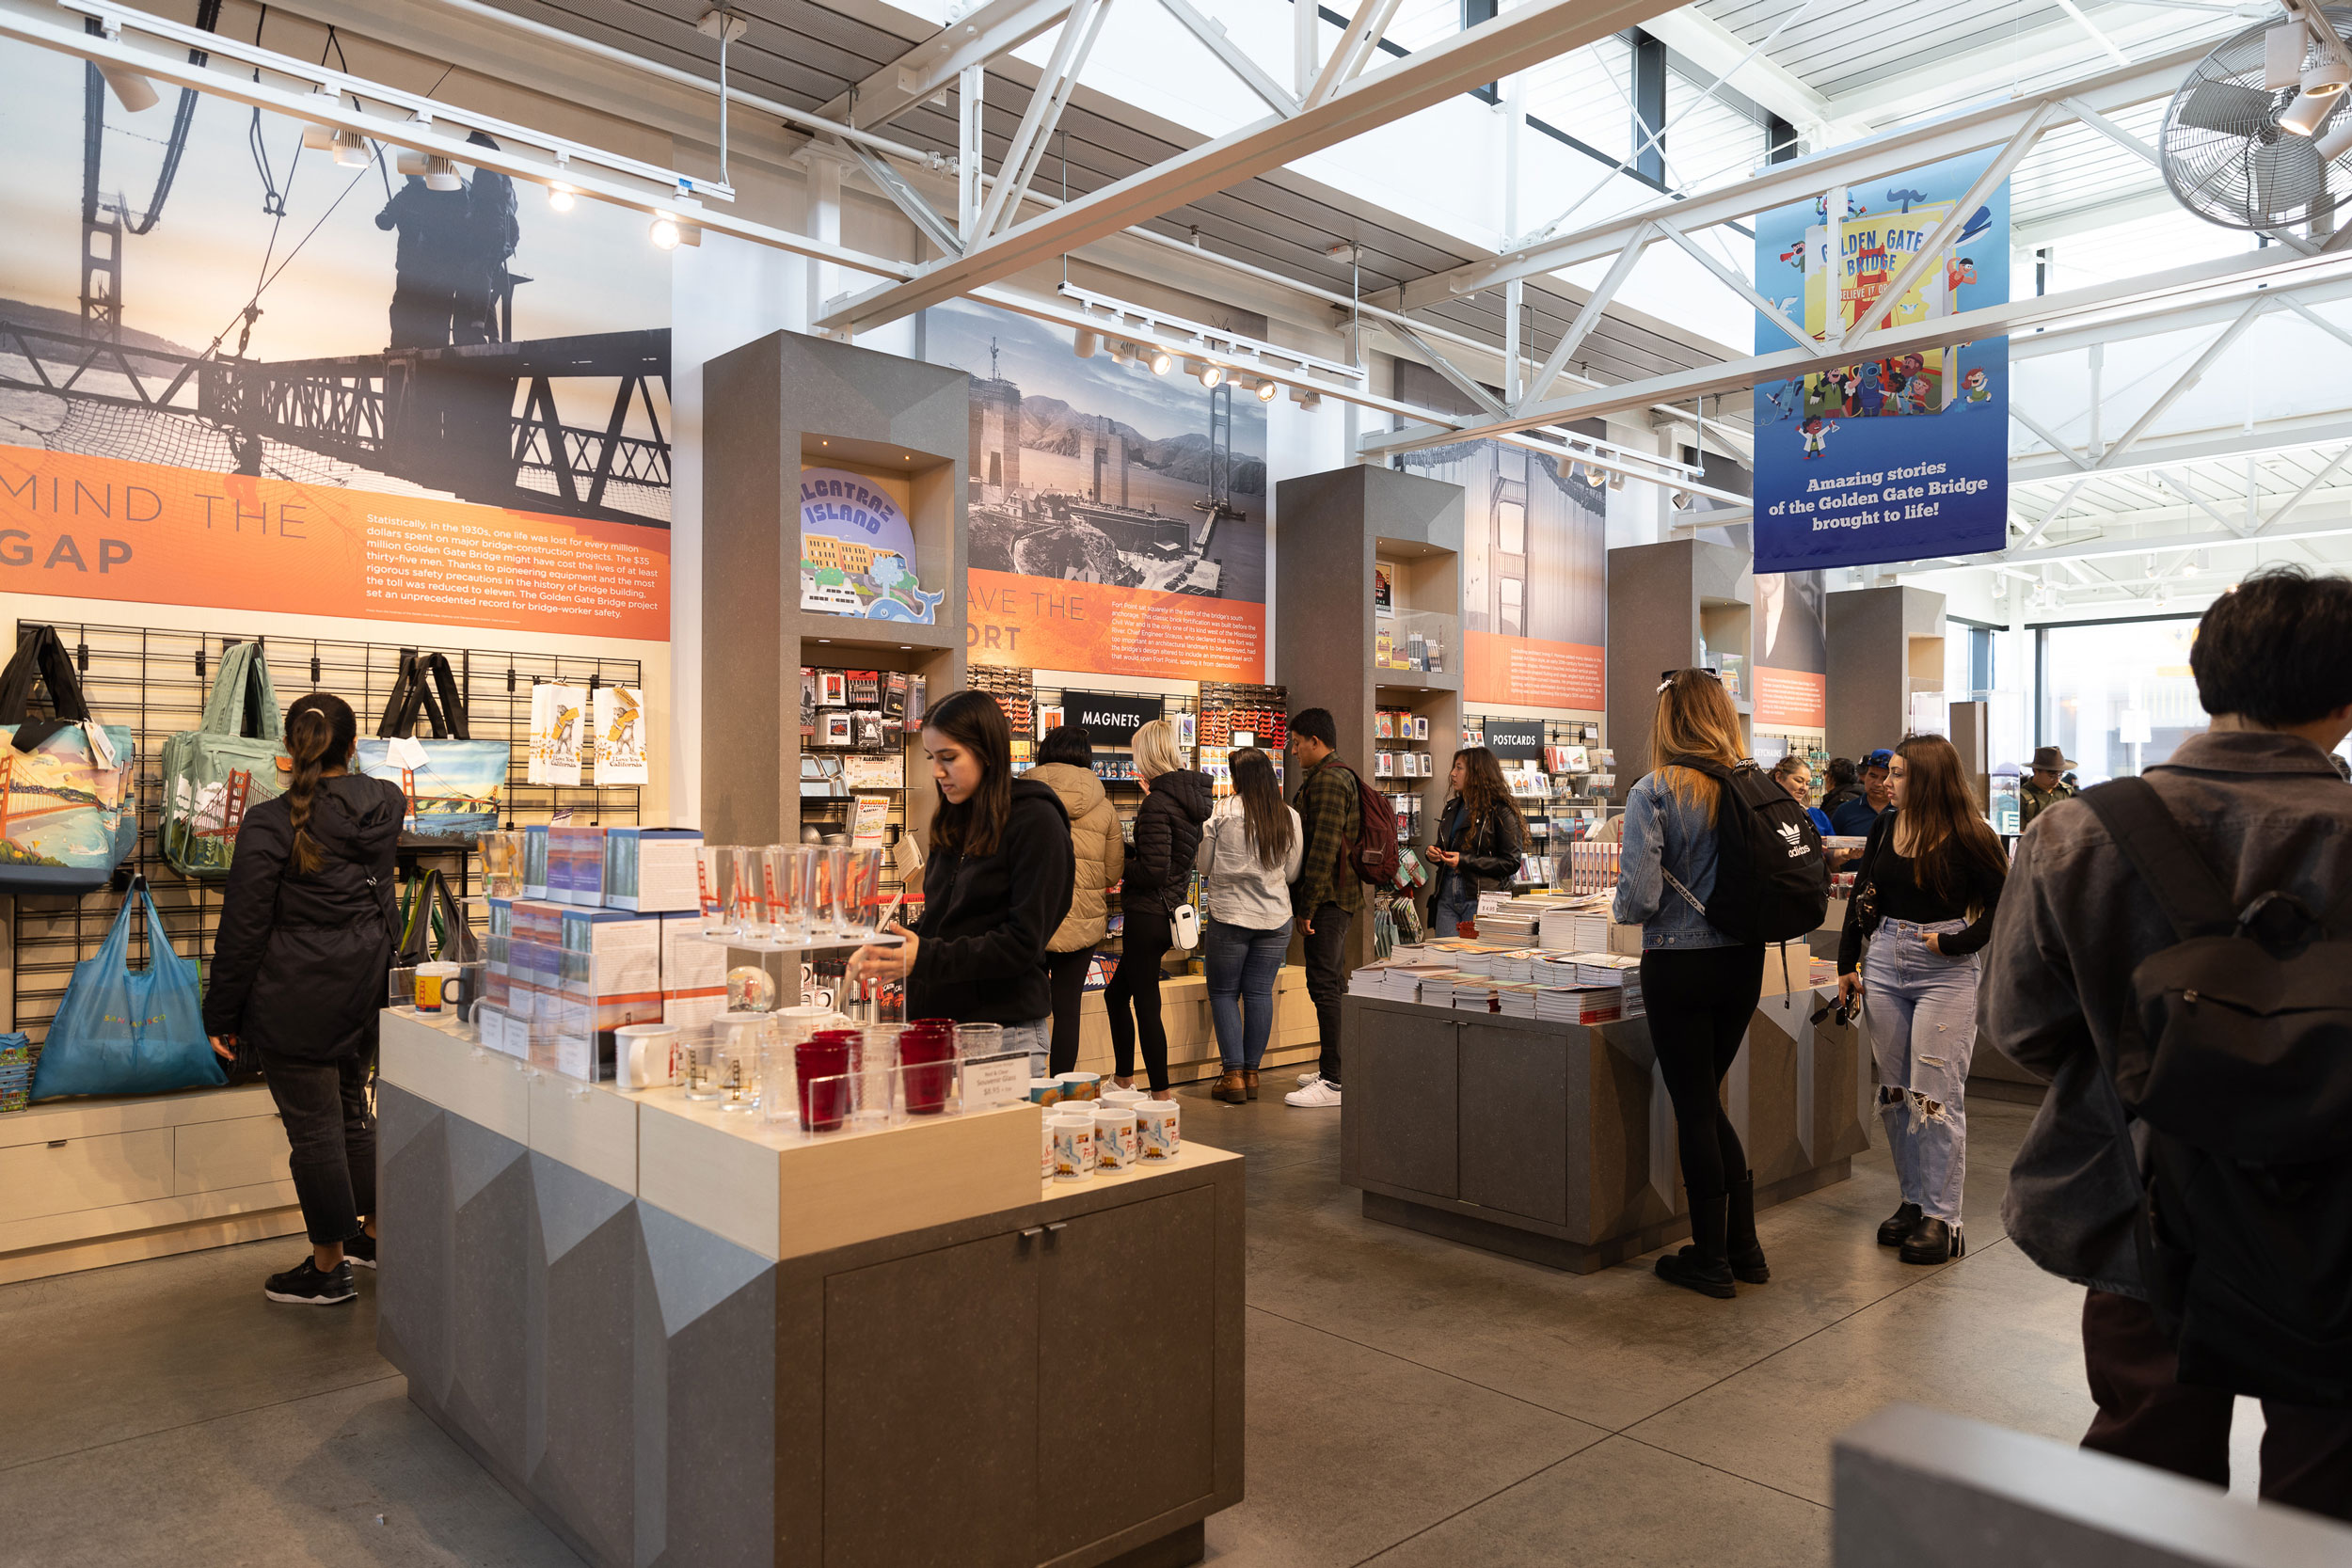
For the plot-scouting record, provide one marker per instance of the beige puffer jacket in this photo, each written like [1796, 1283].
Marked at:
[1094, 841]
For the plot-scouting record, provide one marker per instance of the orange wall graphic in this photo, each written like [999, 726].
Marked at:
[106, 529]
[1795, 698]
[1529, 670]
[1059, 623]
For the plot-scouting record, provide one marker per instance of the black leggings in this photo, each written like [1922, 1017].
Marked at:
[1700, 1000]
[330, 1133]
[1137, 981]
[1067, 972]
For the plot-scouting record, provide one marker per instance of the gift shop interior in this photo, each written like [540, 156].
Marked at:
[1011, 783]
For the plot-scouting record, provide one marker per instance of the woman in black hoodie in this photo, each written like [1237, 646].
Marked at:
[298, 972]
[1159, 870]
[995, 889]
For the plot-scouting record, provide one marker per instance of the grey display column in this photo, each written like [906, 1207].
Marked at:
[1334, 526]
[1555, 1142]
[1665, 600]
[772, 407]
[1884, 645]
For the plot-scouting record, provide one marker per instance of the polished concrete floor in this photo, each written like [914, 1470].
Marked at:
[1410, 1400]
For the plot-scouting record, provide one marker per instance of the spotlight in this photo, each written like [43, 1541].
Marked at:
[1616, 482]
[2329, 77]
[2307, 113]
[1682, 501]
[1083, 344]
[562, 197]
[351, 149]
[132, 91]
[1564, 466]
[1266, 391]
[669, 234]
[1160, 361]
[1122, 353]
[437, 172]
[1210, 374]
[1305, 396]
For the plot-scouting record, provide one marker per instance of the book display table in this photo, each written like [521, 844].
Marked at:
[681, 1337]
[1555, 1142]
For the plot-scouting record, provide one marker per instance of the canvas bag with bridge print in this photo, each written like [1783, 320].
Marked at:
[452, 781]
[68, 803]
[232, 761]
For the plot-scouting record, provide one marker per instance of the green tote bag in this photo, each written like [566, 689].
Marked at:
[230, 763]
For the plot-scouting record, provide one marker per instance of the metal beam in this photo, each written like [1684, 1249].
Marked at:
[1046, 103]
[2149, 292]
[2033, 535]
[1513, 42]
[1455, 377]
[2204, 446]
[1357, 40]
[904, 197]
[1778, 184]
[2114, 133]
[2187, 379]
[2287, 509]
[996, 28]
[2056, 444]
[1588, 317]
[1735, 283]
[1212, 33]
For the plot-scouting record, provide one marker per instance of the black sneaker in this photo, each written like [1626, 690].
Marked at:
[361, 1251]
[303, 1286]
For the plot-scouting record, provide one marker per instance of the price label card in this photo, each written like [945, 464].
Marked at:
[996, 1080]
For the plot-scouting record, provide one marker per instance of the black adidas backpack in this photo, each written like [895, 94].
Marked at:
[1772, 880]
[2244, 1025]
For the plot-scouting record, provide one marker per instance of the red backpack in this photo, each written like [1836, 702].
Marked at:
[1372, 851]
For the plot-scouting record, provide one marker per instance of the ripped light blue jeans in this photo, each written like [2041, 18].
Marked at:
[1921, 1011]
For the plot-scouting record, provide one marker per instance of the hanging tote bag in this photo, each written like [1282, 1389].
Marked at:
[232, 762]
[125, 1031]
[68, 803]
[433, 926]
[452, 781]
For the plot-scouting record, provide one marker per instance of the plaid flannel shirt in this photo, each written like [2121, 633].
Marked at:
[1327, 803]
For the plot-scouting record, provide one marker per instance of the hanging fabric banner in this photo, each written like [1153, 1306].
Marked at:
[621, 729]
[1895, 456]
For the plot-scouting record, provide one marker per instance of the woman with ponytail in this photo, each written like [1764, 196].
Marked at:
[306, 939]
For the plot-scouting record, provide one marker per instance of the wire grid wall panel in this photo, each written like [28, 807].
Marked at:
[154, 682]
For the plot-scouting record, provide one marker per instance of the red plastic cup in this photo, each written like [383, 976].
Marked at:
[928, 1058]
[823, 1070]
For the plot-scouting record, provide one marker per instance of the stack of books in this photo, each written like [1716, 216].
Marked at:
[1508, 926]
[1632, 990]
[1513, 966]
[1552, 969]
[1579, 1003]
[1605, 969]
[1577, 930]
[1514, 999]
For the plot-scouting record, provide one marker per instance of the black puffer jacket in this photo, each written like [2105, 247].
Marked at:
[987, 919]
[301, 961]
[1167, 837]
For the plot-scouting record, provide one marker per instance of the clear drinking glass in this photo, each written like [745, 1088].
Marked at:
[714, 885]
[755, 906]
[502, 863]
[786, 892]
[832, 910]
[873, 1073]
[742, 1039]
[698, 1064]
[808, 882]
[861, 900]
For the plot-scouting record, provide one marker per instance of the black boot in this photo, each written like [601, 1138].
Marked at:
[1898, 1226]
[1932, 1242]
[1703, 1265]
[1745, 1252]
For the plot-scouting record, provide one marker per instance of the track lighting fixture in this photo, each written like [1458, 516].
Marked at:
[1305, 398]
[1083, 344]
[668, 233]
[1616, 480]
[562, 197]
[2303, 116]
[1266, 391]
[1159, 361]
[351, 149]
[132, 91]
[437, 172]
[2336, 143]
[1211, 375]
[1122, 353]
[1682, 501]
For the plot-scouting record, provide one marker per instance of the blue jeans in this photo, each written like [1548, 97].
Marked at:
[1921, 1011]
[1034, 1036]
[1454, 905]
[1242, 963]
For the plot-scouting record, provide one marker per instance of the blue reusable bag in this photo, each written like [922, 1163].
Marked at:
[120, 1031]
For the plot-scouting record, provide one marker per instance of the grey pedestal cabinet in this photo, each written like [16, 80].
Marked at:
[1555, 1142]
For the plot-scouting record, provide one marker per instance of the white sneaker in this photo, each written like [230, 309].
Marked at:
[1315, 1096]
[1307, 1078]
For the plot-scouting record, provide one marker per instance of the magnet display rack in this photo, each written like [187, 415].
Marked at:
[155, 681]
[1548, 819]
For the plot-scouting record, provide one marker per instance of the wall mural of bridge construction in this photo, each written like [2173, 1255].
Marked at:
[239, 374]
[1118, 518]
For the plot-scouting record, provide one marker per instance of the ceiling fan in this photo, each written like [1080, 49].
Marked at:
[2256, 137]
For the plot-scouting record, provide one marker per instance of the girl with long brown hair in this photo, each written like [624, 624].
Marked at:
[299, 970]
[1930, 878]
[996, 884]
[1250, 851]
[1478, 835]
[1700, 984]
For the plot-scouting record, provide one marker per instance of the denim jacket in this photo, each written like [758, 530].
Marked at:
[1663, 835]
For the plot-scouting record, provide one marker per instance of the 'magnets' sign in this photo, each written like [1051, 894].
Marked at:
[1110, 717]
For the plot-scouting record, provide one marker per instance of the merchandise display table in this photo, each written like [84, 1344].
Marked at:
[1555, 1142]
[685, 1338]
